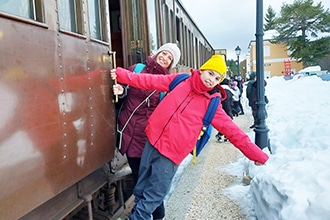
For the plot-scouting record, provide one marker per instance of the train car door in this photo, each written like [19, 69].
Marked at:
[129, 36]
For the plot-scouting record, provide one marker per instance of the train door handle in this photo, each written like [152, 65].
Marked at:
[113, 56]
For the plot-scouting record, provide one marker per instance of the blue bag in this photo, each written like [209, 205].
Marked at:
[207, 128]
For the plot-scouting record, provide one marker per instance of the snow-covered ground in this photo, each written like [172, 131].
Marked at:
[294, 184]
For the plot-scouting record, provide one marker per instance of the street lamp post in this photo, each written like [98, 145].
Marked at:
[238, 52]
[261, 130]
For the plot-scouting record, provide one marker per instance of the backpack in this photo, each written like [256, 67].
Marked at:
[138, 68]
[206, 131]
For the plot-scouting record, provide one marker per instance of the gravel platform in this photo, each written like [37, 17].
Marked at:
[199, 192]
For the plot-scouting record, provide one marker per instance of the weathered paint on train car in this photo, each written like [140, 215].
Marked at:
[57, 117]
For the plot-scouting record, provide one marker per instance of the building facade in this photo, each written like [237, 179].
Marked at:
[277, 61]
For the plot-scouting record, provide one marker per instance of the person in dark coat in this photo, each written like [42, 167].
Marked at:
[227, 105]
[251, 95]
[236, 99]
[137, 108]
[238, 79]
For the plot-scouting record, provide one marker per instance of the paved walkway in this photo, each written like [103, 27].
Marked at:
[198, 195]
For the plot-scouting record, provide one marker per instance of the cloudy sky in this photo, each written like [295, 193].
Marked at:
[228, 23]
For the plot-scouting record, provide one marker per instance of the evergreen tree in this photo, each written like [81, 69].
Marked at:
[299, 25]
[232, 67]
[270, 19]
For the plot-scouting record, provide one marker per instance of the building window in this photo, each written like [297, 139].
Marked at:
[267, 74]
[266, 51]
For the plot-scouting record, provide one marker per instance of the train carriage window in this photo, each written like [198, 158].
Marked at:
[152, 21]
[70, 17]
[171, 24]
[23, 8]
[185, 46]
[178, 31]
[96, 12]
[94, 18]
[166, 24]
[67, 15]
[190, 49]
[196, 51]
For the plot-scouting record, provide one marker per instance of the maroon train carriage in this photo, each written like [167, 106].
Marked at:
[57, 126]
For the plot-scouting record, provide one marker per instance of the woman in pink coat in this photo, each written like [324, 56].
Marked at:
[174, 127]
[137, 108]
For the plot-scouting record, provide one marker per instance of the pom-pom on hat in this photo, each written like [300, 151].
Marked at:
[173, 49]
[216, 63]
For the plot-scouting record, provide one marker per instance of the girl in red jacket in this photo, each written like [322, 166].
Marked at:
[174, 126]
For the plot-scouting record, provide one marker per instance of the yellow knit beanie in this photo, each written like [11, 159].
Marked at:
[216, 63]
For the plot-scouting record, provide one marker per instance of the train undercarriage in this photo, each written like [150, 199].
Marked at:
[101, 195]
